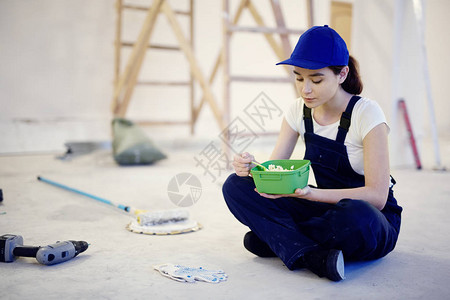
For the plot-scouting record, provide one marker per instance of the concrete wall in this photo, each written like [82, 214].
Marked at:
[56, 72]
[57, 61]
[392, 67]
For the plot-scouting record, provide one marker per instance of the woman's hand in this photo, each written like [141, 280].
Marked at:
[299, 193]
[242, 164]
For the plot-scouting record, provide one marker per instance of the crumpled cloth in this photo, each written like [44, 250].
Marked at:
[189, 274]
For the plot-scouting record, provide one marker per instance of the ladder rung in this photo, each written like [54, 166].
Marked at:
[173, 83]
[146, 8]
[153, 46]
[260, 79]
[264, 30]
[153, 123]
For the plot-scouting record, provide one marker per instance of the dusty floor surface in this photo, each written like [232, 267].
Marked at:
[118, 263]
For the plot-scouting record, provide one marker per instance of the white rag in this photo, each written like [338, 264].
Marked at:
[188, 274]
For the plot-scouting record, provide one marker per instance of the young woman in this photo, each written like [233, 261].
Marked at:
[352, 212]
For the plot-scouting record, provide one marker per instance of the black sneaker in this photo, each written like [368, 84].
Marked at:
[256, 246]
[326, 263]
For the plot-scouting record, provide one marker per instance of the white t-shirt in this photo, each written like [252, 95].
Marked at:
[365, 116]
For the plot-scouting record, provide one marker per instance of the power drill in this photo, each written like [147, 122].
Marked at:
[12, 246]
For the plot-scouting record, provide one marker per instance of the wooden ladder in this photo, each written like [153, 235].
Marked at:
[126, 80]
[282, 51]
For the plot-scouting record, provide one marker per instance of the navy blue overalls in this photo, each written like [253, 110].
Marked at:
[292, 226]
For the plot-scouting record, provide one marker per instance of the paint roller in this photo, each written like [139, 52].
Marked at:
[144, 218]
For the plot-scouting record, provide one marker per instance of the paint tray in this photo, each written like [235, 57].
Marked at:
[281, 182]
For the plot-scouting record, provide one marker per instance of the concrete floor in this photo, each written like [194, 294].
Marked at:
[118, 263]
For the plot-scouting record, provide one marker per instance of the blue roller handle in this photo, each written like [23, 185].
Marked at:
[123, 207]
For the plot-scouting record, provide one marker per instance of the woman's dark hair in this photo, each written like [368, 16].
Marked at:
[352, 83]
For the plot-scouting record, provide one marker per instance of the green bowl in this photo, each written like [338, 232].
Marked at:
[281, 182]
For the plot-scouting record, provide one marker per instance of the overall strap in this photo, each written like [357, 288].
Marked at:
[346, 117]
[307, 118]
